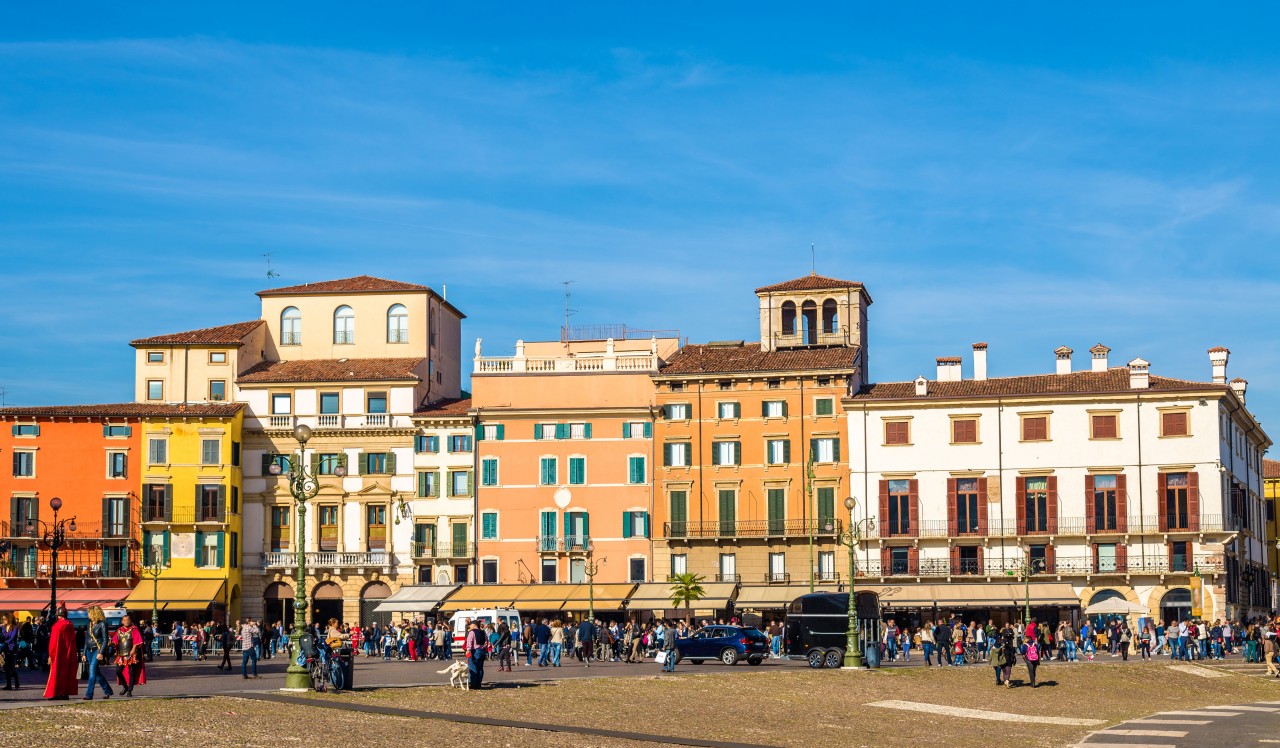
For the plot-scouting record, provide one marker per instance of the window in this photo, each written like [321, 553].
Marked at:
[217, 390]
[24, 512]
[773, 384]
[636, 473]
[328, 527]
[1106, 559]
[157, 451]
[728, 410]
[728, 567]
[897, 432]
[426, 443]
[1179, 556]
[493, 432]
[549, 570]
[155, 548]
[459, 482]
[155, 389]
[636, 570]
[775, 408]
[1176, 504]
[329, 403]
[1035, 504]
[26, 429]
[726, 453]
[210, 504]
[546, 431]
[966, 505]
[1105, 503]
[281, 404]
[344, 325]
[284, 461]
[547, 531]
[728, 501]
[1103, 426]
[776, 505]
[826, 449]
[1039, 558]
[210, 451]
[824, 406]
[117, 464]
[675, 454]
[899, 507]
[398, 324]
[117, 431]
[1035, 428]
[155, 357]
[488, 525]
[725, 384]
[376, 402]
[678, 527]
[24, 464]
[637, 430]
[824, 381]
[428, 484]
[830, 318]
[579, 431]
[376, 463]
[964, 431]
[375, 519]
[777, 567]
[489, 571]
[329, 462]
[635, 524]
[679, 564]
[677, 386]
[549, 471]
[291, 326]
[217, 357]
[826, 565]
[676, 411]
[489, 471]
[826, 508]
[209, 549]
[460, 443]
[778, 451]
[1173, 423]
[577, 471]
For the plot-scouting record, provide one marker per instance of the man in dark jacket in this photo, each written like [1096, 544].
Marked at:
[542, 635]
[586, 637]
[943, 637]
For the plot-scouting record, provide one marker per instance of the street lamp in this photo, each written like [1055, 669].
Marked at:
[852, 538]
[1025, 569]
[153, 569]
[302, 486]
[54, 536]
[592, 568]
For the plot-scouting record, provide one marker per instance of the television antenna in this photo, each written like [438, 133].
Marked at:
[567, 311]
[270, 273]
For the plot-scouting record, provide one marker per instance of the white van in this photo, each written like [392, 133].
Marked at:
[458, 622]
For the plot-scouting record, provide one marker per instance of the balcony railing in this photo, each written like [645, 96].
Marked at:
[779, 577]
[443, 549]
[83, 531]
[183, 516]
[328, 559]
[762, 528]
[566, 544]
[728, 578]
[76, 562]
[800, 339]
[339, 421]
[536, 364]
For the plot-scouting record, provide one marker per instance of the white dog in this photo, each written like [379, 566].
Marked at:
[458, 675]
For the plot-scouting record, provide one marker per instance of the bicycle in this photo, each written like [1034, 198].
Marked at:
[973, 653]
[324, 668]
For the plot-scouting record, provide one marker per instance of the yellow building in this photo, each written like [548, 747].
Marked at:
[1271, 483]
[191, 515]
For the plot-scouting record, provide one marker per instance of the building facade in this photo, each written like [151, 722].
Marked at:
[444, 508]
[1107, 482]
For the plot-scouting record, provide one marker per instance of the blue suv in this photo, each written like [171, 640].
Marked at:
[727, 644]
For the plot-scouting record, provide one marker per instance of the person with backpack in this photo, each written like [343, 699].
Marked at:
[1032, 656]
[1003, 657]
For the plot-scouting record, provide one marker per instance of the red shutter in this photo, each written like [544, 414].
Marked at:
[1193, 500]
[1122, 502]
[981, 568]
[1051, 504]
[913, 508]
[1169, 549]
[1048, 559]
[982, 506]
[913, 560]
[1095, 556]
[951, 507]
[885, 556]
[1122, 558]
[955, 559]
[1090, 526]
[1020, 508]
[1162, 505]
[884, 509]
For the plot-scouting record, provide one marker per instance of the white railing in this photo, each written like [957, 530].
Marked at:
[329, 421]
[280, 422]
[330, 559]
[376, 420]
[813, 338]
[533, 365]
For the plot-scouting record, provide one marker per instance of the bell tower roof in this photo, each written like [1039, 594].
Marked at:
[811, 282]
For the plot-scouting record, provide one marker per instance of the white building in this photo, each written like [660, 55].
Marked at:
[1111, 481]
[443, 507]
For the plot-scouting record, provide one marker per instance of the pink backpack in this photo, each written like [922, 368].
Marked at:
[1033, 652]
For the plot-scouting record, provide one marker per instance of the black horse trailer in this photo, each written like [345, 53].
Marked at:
[818, 627]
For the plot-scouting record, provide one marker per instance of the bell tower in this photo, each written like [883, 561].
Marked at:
[814, 312]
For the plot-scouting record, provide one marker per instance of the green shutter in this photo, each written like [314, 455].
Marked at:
[266, 463]
[586, 525]
[737, 453]
[471, 483]
[666, 455]
[626, 524]
[549, 524]
[568, 525]
[199, 547]
[835, 449]
[168, 557]
[826, 503]
[679, 506]
[737, 410]
[764, 408]
[222, 537]
[646, 524]
[479, 432]
[502, 432]
[391, 463]
[459, 538]
[586, 431]
[648, 430]
[315, 463]
[537, 431]
[106, 430]
[422, 485]
[786, 451]
[626, 430]
[435, 483]
[813, 450]
[562, 431]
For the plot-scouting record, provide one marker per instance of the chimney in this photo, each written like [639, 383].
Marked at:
[1100, 352]
[1139, 374]
[922, 386]
[979, 361]
[1064, 359]
[949, 369]
[1238, 386]
[1218, 359]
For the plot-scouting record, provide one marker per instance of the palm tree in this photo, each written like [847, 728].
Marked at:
[687, 588]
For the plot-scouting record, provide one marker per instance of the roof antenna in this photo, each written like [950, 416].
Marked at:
[270, 273]
[564, 332]
[3, 392]
[813, 261]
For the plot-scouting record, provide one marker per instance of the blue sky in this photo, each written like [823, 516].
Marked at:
[1023, 176]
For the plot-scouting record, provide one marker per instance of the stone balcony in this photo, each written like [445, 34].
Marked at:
[336, 560]
[609, 360]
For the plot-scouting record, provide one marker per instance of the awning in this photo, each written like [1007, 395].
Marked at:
[760, 596]
[977, 595]
[483, 596]
[416, 599]
[657, 596]
[607, 597]
[176, 594]
[75, 599]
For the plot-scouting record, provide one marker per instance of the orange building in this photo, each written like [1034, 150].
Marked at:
[749, 476]
[90, 457]
[564, 466]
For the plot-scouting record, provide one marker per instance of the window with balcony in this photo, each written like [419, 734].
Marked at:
[899, 561]
[157, 450]
[676, 411]
[1104, 504]
[964, 431]
[897, 433]
[577, 471]
[375, 520]
[679, 564]
[1105, 558]
[489, 471]
[117, 464]
[548, 473]
[1176, 502]
[679, 503]
[966, 505]
[1180, 556]
[1039, 559]
[1035, 504]
[375, 403]
[116, 561]
[23, 511]
[291, 326]
[637, 474]
[459, 483]
[826, 449]
[344, 325]
[155, 389]
[281, 403]
[778, 451]
[24, 464]
[899, 507]
[115, 517]
[217, 390]
[210, 451]
[328, 522]
[728, 567]
[726, 453]
[826, 498]
[210, 503]
[577, 529]
[970, 560]
[279, 536]
[397, 324]
[728, 505]
[776, 506]
[424, 540]
[777, 567]
[826, 565]
[157, 502]
[330, 409]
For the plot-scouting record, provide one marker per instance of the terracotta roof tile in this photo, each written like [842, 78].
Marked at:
[221, 335]
[1219, 349]
[979, 346]
[126, 410]
[1270, 468]
[333, 370]
[455, 407]
[723, 359]
[949, 359]
[358, 284]
[809, 283]
[1075, 383]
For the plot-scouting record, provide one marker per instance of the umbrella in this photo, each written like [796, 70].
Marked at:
[1117, 606]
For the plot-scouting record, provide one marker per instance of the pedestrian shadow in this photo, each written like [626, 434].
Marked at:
[1020, 683]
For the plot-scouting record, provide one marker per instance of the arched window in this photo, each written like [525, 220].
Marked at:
[830, 322]
[788, 318]
[344, 325]
[291, 326]
[809, 322]
[398, 324]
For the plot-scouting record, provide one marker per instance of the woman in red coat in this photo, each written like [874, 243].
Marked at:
[63, 658]
[129, 655]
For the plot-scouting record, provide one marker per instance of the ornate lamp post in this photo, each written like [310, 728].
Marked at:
[1026, 570]
[591, 569]
[153, 569]
[302, 486]
[852, 538]
[55, 536]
